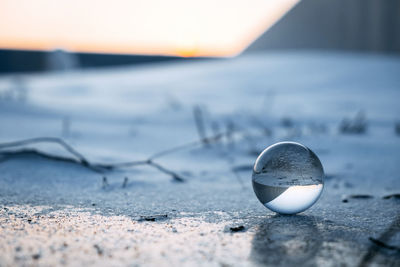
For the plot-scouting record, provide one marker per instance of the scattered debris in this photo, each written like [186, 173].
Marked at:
[98, 249]
[346, 199]
[125, 182]
[397, 128]
[36, 256]
[223, 264]
[287, 122]
[237, 228]
[356, 125]
[234, 229]
[200, 126]
[394, 196]
[361, 196]
[105, 184]
[153, 218]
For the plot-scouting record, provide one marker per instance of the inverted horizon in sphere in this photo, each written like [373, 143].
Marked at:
[288, 178]
[296, 199]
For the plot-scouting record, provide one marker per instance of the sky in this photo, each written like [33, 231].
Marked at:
[156, 27]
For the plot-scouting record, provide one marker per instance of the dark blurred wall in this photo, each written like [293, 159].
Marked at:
[366, 25]
[58, 60]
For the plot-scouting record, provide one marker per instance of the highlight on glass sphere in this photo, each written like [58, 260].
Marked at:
[288, 177]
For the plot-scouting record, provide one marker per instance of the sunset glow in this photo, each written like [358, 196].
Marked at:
[175, 27]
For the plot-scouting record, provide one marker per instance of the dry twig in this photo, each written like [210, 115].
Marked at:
[78, 157]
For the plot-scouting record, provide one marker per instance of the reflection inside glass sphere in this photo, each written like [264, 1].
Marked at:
[288, 178]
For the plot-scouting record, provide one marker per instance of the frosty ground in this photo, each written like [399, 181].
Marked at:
[56, 212]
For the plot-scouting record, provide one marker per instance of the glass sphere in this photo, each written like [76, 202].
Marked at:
[288, 178]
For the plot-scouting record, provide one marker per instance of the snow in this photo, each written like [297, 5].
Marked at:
[130, 113]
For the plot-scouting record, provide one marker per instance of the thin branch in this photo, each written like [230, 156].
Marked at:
[25, 152]
[188, 145]
[200, 126]
[80, 159]
[55, 140]
[101, 167]
[174, 175]
[383, 244]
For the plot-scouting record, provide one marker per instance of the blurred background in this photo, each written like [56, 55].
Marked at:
[67, 34]
[164, 92]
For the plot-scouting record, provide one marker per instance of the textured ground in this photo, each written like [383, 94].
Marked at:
[56, 212]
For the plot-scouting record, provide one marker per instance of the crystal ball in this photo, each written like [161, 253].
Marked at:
[288, 177]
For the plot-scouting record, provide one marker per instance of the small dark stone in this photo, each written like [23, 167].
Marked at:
[152, 218]
[98, 249]
[345, 200]
[36, 256]
[287, 122]
[361, 196]
[237, 228]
